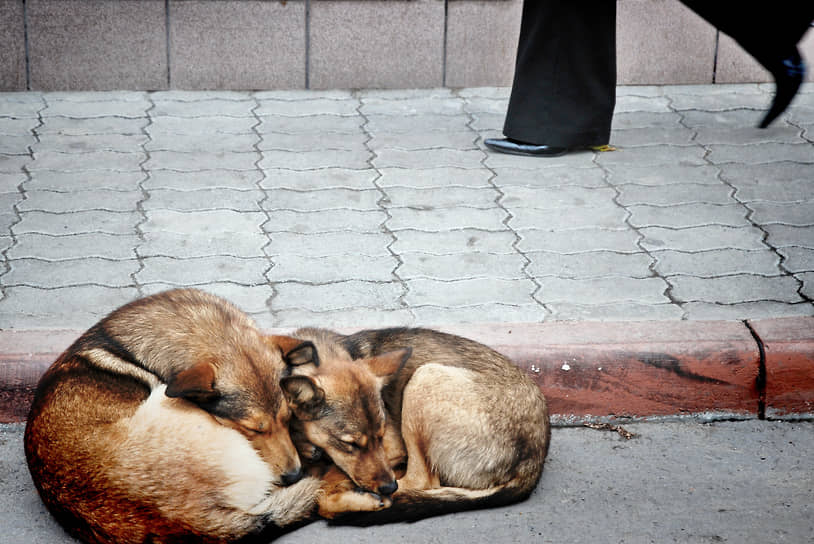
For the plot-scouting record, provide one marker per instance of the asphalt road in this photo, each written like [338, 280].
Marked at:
[688, 482]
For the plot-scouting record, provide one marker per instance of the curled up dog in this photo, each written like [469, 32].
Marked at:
[472, 428]
[165, 422]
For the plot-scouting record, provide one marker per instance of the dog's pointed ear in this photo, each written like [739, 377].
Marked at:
[304, 396]
[387, 364]
[296, 352]
[196, 384]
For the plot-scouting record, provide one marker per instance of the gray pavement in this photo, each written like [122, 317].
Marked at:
[740, 482]
[341, 208]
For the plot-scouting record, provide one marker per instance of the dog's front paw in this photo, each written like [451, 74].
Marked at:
[331, 506]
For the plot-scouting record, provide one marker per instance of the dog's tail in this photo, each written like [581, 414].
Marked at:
[412, 504]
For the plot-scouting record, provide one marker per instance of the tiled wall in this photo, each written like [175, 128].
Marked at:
[295, 44]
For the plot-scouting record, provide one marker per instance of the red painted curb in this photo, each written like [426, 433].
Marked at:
[788, 345]
[587, 370]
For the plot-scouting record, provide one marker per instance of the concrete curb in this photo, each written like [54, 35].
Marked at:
[589, 371]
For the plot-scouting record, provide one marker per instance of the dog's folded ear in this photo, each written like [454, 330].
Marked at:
[304, 395]
[296, 352]
[196, 384]
[387, 364]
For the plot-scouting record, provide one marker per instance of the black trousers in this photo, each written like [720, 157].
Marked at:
[564, 88]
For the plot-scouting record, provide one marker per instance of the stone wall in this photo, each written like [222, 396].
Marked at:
[319, 44]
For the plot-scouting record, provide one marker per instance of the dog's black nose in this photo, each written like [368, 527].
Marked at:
[291, 477]
[388, 488]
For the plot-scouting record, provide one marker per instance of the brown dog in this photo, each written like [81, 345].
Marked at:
[472, 427]
[165, 422]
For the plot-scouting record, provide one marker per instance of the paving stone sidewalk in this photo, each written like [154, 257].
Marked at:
[372, 208]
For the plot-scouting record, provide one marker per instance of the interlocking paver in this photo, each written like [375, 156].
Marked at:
[688, 215]
[195, 125]
[462, 265]
[195, 161]
[778, 133]
[99, 199]
[773, 191]
[454, 241]
[412, 106]
[589, 175]
[469, 292]
[92, 160]
[17, 145]
[579, 240]
[203, 108]
[398, 158]
[647, 119]
[664, 174]
[332, 268]
[675, 194]
[702, 238]
[609, 216]
[17, 126]
[442, 219]
[327, 199]
[546, 198]
[602, 290]
[201, 270]
[480, 313]
[652, 136]
[798, 214]
[324, 178]
[214, 178]
[13, 163]
[789, 235]
[201, 142]
[75, 246]
[205, 222]
[68, 273]
[304, 108]
[761, 153]
[182, 246]
[416, 123]
[735, 288]
[446, 177]
[717, 262]
[68, 143]
[325, 141]
[132, 109]
[204, 199]
[314, 160]
[361, 244]
[349, 318]
[797, 259]
[440, 197]
[655, 155]
[351, 294]
[765, 309]
[412, 141]
[77, 222]
[593, 264]
[724, 118]
[98, 125]
[10, 183]
[616, 311]
[324, 221]
[309, 124]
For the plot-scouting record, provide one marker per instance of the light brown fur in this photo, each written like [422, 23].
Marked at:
[473, 428]
[165, 423]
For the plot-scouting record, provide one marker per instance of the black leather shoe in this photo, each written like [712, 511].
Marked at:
[514, 147]
[788, 76]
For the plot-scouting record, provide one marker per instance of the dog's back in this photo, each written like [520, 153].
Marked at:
[477, 420]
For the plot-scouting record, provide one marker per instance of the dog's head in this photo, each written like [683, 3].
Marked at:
[337, 405]
[239, 384]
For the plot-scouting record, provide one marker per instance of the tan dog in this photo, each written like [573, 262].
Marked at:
[472, 427]
[165, 422]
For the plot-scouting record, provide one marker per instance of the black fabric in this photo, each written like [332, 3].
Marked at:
[767, 31]
[564, 89]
